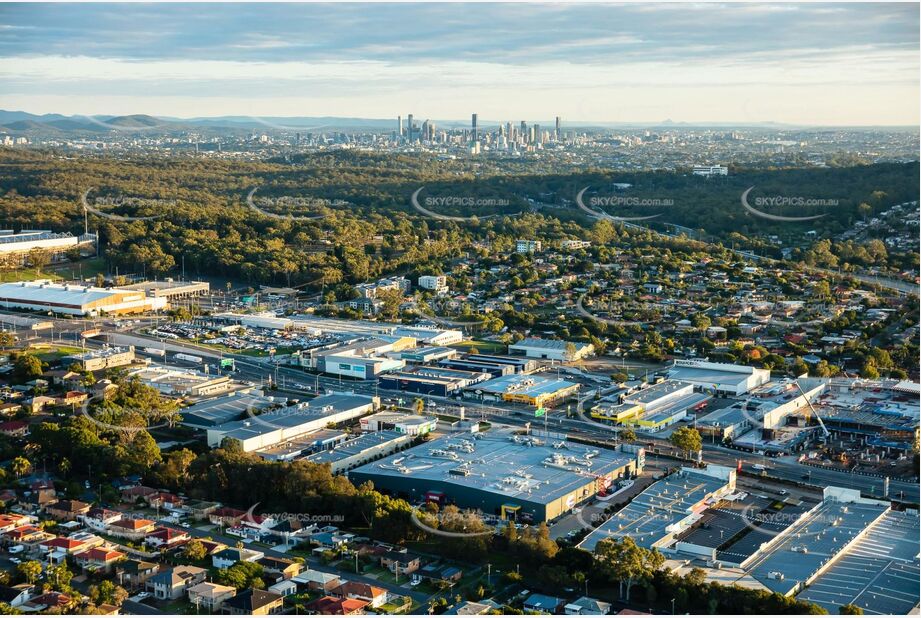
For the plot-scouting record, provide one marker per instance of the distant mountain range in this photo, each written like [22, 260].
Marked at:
[50, 124]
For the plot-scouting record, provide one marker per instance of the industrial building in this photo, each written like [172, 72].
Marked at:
[428, 354]
[361, 450]
[665, 509]
[57, 244]
[552, 349]
[430, 335]
[463, 364]
[170, 289]
[221, 410]
[533, 390]
[651, 408]
[76, 299]
[438, 381]
[184, 382]
[105, 358]
[401, 422]
[502, 473]
[520, 365]
[794, 559]
[275, 427]
[364, 359]
[722, 378]
[879, 573]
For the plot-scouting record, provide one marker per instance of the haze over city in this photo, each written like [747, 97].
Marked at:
[801, 64]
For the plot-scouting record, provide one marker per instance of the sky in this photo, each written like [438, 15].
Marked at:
[806, 64]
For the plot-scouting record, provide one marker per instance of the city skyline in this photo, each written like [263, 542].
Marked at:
[691, 64]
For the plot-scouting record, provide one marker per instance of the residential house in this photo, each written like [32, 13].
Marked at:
[72, 399]
[37, 404]
[282, 567]
[365, 592]
[587, 606]
[200, 509]
[67, 510]
[14, 429]
[100, 518]
[253, 602]
[543, 604]
[470, 608]
[164, 500]
[173, 583]
[284, 587]
[167, 538]
[209, 597]
[134, 493]
[401, 563]
[52, 602]
[15, 596]
[99, 559]
[226, 516]
[133, 574]
[318, 580]
[134, 529]
[332, 606]
[230, 556]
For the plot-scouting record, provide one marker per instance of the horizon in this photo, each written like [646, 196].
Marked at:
[696, 65]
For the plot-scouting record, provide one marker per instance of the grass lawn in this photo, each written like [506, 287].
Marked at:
[48, 354]
[66, 270]
[483, 347]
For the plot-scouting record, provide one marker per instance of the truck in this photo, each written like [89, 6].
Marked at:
[759, 467]
[188, 358]
[155, 352]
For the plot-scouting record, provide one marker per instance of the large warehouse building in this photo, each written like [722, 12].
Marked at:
[531, 390]
[56, 244]
[552, 349]
[76, 299]
[278, 426]
[500, 473]
[721, 378]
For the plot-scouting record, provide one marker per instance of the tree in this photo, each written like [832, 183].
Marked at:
[850, 610]
[628, 435]
[623, 561]
[687, 439]
[7, 339]
[30, 570]
[194, 551]
[20, 466]
[39, 258]
[419, 405]
[27, 367]
[107, 592]
[570, 350]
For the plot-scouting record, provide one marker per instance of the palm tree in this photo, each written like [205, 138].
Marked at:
[20, 466]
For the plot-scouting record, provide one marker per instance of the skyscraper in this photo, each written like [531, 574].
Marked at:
[409, 127]
[399, 126]
[473, 125]
[556, 133]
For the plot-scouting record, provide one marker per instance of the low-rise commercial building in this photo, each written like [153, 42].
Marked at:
[503, 474]
[552, 349]
[292, 422]
[106, 358]
[533, 390]
[361, 450]
[409, 424]
[76, 299]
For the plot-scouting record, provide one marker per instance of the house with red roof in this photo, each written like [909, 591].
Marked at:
[14, 429]
[99, 559]
[132, 528]
[167, 538]
[331, 606]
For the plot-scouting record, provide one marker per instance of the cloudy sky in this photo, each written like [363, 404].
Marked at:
[830, 64]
